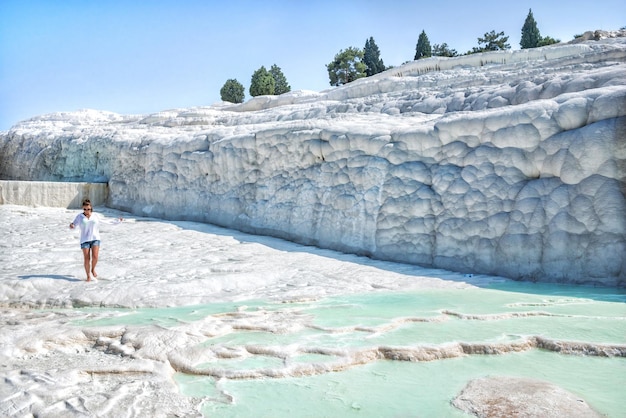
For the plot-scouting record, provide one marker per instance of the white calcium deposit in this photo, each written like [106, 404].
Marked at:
[505, 163]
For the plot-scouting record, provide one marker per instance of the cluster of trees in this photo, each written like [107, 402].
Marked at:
[354, 63]
[262, 82]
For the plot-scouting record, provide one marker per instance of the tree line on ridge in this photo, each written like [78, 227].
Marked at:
[354, 63]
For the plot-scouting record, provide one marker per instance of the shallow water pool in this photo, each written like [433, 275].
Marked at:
[397, 353]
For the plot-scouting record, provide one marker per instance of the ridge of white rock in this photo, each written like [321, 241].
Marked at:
[505, 163]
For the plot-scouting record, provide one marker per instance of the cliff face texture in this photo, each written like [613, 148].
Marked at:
[505, 163]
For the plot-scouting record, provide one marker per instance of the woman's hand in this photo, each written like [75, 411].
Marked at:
[72, 225]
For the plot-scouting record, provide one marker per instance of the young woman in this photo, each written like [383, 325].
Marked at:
[89, 224]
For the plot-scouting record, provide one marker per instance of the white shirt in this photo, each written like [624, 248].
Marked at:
[90, 227]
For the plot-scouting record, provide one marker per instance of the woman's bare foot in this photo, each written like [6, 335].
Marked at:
[94, 274]
[89, 278]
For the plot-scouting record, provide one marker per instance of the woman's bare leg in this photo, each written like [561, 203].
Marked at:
[87, 262]
[94, 259]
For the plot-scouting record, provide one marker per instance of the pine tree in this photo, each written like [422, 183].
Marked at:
[232, 91]
[280, 81]
[493, 42]
[347, 66]
[262, 83]
[444, 50]
[422, 49]
[371, 58]
[530, 33]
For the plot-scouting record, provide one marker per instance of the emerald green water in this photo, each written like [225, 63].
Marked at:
[328, 334]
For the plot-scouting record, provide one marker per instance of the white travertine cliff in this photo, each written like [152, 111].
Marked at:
[505, 163]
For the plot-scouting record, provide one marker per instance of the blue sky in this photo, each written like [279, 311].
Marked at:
[144, 56]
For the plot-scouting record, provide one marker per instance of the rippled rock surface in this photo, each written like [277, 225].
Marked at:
[505, 163]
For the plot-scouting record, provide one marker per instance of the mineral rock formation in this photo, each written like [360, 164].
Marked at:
[500, 396]
[505, 163]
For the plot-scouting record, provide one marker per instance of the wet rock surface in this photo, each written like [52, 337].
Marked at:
[501, 396]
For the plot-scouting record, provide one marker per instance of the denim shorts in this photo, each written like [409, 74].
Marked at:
[90, 244]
